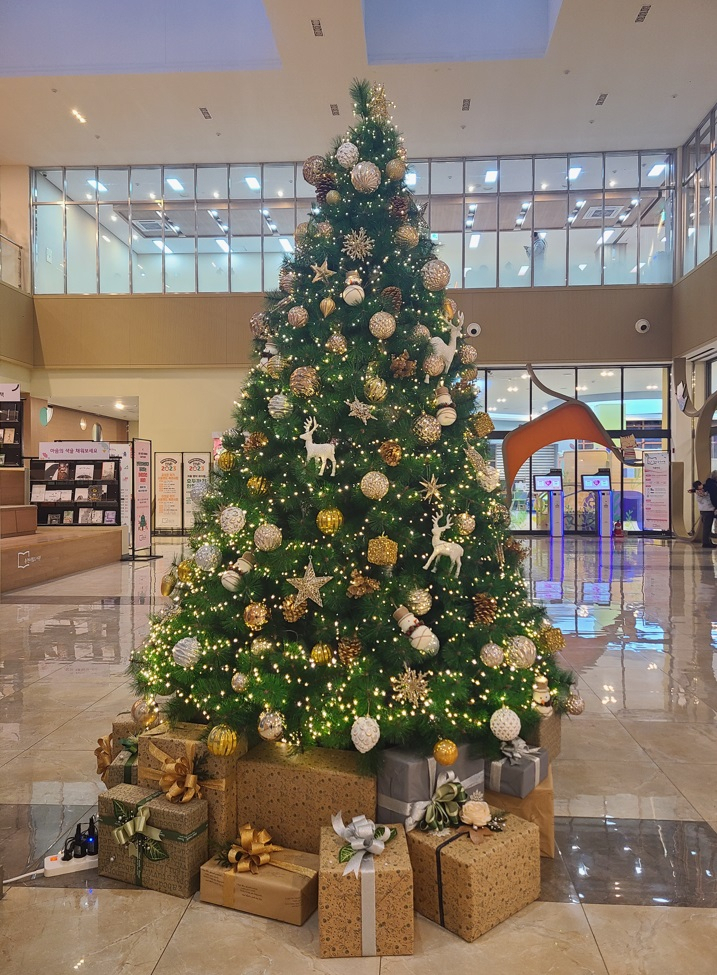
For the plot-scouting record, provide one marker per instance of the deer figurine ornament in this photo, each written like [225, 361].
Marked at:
[447, 350]
[451, 549]
[317, 451]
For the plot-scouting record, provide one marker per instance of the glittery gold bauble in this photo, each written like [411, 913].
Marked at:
[467, 354]
[324, 228]
[287, 280]
[574, 703]
[407, 236]
[382, 551]
[222, 740]
[258, 485]
[327, 306]
[329, 520]
[293, 609]
[520, 651]
[500, 515]
[485, 609]
[433, 365]
[333, 197]
[435, 274]
[427, 428]
[337, 344]
[469, 375]
[298, 316]
[382, 325]
[450, 308]
[376, 389]
[267, 538]
[239, 682]
[391, 452]
[321, 653]
[550, 639]
[255, 441]
[275, 365]
[256, 615]
[350, 648]
[145, 713]
[421, 332]
[226, 460]
[445, 751]
[304, 381]
[261, 645]
[366, 177]
[259, 325]
[395, 169]
[300, 231]
[169, 581]
[314, 167]
[483, 425]
[374, 485]
[419, 601]
[465, 523]
[401, 153]
[185, 570]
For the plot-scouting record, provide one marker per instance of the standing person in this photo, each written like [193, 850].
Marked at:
[705, 507]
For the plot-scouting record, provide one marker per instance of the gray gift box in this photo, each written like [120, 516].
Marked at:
[520, 778]
[407, 776]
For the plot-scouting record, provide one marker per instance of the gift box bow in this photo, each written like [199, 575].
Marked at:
[176, 777]
[517, 749]
[253, 849]
[363, 839]
[442, 809]
[136, 833]
[103, 754]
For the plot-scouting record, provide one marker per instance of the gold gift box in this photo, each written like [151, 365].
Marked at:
[546, 734]
[123, 726]
[537, 807]
[120, 769]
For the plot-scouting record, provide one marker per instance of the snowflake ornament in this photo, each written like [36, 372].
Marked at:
[411, 686]
[358, 245]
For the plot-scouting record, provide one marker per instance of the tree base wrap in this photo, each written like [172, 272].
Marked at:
[471, 888]
[407, 777]
[519, 779]
[182, 834]
[294, 794]
[546, 734]
[218, 776]
[123, 726]
[122, 771]
[537, 807]
[373, 911]
[274, 892]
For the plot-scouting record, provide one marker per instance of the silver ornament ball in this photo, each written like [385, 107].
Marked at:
[186, 652]
[521, 652]
[208, 557]
[270, 725]
[232, 519]
[492, 655]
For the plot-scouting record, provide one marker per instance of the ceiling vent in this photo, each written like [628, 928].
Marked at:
[601, 99]
[334, 108]
[153, 227]
[644, 11]
[206, 113]
[600, 213]
[317, 28]
[466, 105]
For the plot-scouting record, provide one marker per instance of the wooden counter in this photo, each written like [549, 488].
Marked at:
[55, 552]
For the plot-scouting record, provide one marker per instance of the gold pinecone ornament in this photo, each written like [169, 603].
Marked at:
[485, 609]
[350, 648]
[293, 609]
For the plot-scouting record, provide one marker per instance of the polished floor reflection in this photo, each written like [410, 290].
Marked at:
[633, 887]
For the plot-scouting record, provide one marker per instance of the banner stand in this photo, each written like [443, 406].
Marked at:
[141, 519]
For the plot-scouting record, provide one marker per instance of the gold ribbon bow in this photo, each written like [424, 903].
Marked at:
[252, 849]
[176, 777]
[134, 828]
[103, 754]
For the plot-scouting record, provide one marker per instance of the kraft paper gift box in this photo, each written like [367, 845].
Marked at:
[407, 777]
[294, 794]
[371, 914]
[285, 889]
[163, 853]
[517, 778]
[217, 774]
[537, 807]
[123, 726]
[470, 888]
[546, 734]
[122, 771]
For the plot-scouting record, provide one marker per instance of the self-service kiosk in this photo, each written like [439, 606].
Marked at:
[552, 483]
[599, 483]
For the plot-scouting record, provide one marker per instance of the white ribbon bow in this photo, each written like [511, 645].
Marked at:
[418, 809]
[361, 836]
[516, 749]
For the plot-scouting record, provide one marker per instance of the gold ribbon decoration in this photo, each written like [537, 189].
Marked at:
[103, 754]
[176, 777]
[252, 849]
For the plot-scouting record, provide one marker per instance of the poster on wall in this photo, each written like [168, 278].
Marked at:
[656, 490]
[142, 493]
[124, 452]
[196, 468]
[9, 392]
[168, 491]
[73, 450]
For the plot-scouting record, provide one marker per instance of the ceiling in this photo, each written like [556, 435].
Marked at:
[660, 77]
[101, 405]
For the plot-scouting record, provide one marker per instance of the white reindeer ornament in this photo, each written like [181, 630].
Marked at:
[447, 350]
[318, 451]
[451, 549]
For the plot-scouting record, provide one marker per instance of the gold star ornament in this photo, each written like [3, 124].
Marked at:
[431, 488]
[309, 586]
[322, 272]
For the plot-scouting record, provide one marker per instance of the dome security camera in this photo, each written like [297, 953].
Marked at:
[473, 330]
[642, 326]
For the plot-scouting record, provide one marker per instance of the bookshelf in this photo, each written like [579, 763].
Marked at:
[76, 492]
[11, 434]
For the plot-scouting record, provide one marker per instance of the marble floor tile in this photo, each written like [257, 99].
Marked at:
[28, 833]
[65, 778]
[95, 932]
[698, 784]
[20, 729]
[695, 743]
[604, 788]
[58, 692]
[82, 731]
[208, 938]
[552, 938]
[654, 940]
[556, 887]
[593, 739]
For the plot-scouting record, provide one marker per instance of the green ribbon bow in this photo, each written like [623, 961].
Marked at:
[130, 744]
[444, 808]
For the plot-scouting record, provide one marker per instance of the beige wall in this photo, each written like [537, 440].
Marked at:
[694, 318]
[17, 320]
[15, 212]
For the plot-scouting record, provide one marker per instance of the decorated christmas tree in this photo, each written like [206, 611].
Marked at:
[353, 577]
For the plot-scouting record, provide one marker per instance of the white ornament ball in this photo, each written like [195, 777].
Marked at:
[505, 724]
[492, 655]
[365, 734]
[347, 155]
[186, 652]
[199, 491]
[232, 519]
[267, 538]
[366, 177]
[208, 557]
[521, 652]
[425, 641]
[279, 406]
[240, 682]
[270, 725]
[353, 294]
[231, 580]
[447, 416]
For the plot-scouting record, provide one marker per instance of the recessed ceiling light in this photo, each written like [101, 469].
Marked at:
[78, 116]
[152, 196]
[252, 182]
[174, 184]
[286, 244]
[657, 170]
[574, 172]
[472, 207]
[113, 216]
[119, 405]
[96, 185]
[543, 186]
[474, 241]
[215, 194]
[471, 188]
[162, 246]
[491, 175]
[279, 192]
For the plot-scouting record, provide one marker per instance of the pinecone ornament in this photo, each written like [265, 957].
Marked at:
[365, 734]
[361, 585]
[324, 183]
[398, 208]
[402, 367]
[293, 609]
[350, 648]
[392, 299]
[485, 609]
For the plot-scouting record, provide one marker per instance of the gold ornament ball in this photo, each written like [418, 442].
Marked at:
[256, 615]
[259, 325]
[350, 648]
[376, 389]
[293, 609]
[304, 381]
[239, 682]
[300, 231]
[327, 306]
[366, 177]
[574, 704]
[382, 325]
[382, 551]
[185, 570]
[258, 485]
[391, 452]
[427, 428]
[321, 653]
[333, 197]
[329, 520]
[314, 167]
[145, 713]
[465, 523]
[407, 236]
[421, 332]
[467, 354]
[450, 308]
[324, 228]
[298, 316]
[261, 645]
[395, 170]
[267, 538]
[275, 365]
[222, 740]
[337, 344]
[433, 365]
[169, 581]
[436, 275]
[286, 280]
[374, 485]
[226, 460]
[419, 601]
[445, 751]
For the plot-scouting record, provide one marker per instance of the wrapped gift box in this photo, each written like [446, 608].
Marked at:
[537, 807]
[546, 734]
[289, 895]
[371, 914]
[471, 888]
[168, 860]
[122, 771]
[123, 726]
[293, 794]
[217, 774]
[408, 776]
[518, 779]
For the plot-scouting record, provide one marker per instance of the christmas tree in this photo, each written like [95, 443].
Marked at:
[353, 574]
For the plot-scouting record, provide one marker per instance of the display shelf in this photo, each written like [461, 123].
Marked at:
[64, 499]
[11, 435]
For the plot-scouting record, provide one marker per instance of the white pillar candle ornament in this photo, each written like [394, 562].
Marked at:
[186, 652]
[505, 724]
[365, 734]
[422, 638]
